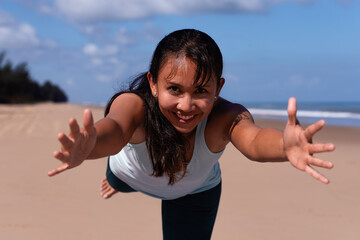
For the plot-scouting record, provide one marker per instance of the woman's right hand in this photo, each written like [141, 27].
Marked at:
[77, 146]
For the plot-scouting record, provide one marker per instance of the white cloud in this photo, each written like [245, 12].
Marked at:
[97, 61]
[110, 10]
[103, 78]
[296, 80]
[110, 50]
[232, 78]
[152, 33]
[15, 34]
[124, 37]
[46, 9]
[93, 50]
[315, 81]
[70, 82]
[114, 60]
[50, 44]
[5, 18]
[99, 32]
[20, 35]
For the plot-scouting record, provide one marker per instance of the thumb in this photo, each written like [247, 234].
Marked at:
[88, 121]
[292, 111]
[58, 170]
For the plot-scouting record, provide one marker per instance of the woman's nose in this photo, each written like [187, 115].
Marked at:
[185, 104]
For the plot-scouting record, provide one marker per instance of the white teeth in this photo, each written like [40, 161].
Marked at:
[184, 117]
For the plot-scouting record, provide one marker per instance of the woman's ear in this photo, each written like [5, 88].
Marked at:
[219, 86]
[153, 85]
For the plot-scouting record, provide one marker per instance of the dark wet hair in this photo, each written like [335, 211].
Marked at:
[166, 146]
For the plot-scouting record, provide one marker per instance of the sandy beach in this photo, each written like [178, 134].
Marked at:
[259, 201]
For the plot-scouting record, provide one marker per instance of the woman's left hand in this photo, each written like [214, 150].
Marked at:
[298, 146]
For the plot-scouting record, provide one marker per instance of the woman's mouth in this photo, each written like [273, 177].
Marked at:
[184, 118]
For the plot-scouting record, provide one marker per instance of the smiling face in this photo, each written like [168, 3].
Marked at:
[181, 100]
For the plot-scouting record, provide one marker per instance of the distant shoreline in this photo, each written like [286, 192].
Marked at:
[348, 119]
[270, 112]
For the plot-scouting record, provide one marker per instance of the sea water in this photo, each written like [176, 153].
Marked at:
[334, 113]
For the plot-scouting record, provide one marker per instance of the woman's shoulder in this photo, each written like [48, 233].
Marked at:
[226, 110]
[130, 104]
[129, 96]
[128, 99]
[224, 117]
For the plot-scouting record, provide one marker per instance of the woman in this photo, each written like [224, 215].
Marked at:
[166, 133]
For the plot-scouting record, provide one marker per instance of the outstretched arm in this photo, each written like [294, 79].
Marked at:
[293, 144]
[107, 137]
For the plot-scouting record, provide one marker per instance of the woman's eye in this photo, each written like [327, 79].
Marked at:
[201, 90]
[173, 89]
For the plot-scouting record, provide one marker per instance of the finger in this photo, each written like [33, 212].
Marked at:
[321, 147]
[65, 141]
[292, 111]
[311, 130]
[320, 163]
[88, 121]
[74, 128]
[63, 157]
[104, 182]
[58, 170]
[59, 155]
[316, 175]
[105, 190]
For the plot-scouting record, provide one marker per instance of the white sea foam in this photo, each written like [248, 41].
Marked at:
[303, 113]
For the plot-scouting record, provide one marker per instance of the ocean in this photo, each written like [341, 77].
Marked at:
[334, 113]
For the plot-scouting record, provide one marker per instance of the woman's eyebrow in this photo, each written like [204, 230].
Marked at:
[171, 81]
[206, 84]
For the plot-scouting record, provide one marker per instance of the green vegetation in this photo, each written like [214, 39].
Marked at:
[17, 86]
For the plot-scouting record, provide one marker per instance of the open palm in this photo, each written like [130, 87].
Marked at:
[77, 146]
[298, 146]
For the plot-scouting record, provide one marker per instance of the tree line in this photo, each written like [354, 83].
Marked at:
[17, 86]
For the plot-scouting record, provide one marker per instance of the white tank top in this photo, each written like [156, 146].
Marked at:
[133, 166]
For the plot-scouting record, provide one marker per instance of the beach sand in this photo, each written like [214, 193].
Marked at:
[259, 200]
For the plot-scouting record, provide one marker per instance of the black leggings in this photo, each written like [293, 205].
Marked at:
[189, 217]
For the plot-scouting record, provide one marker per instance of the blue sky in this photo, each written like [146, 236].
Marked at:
[272, 49]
